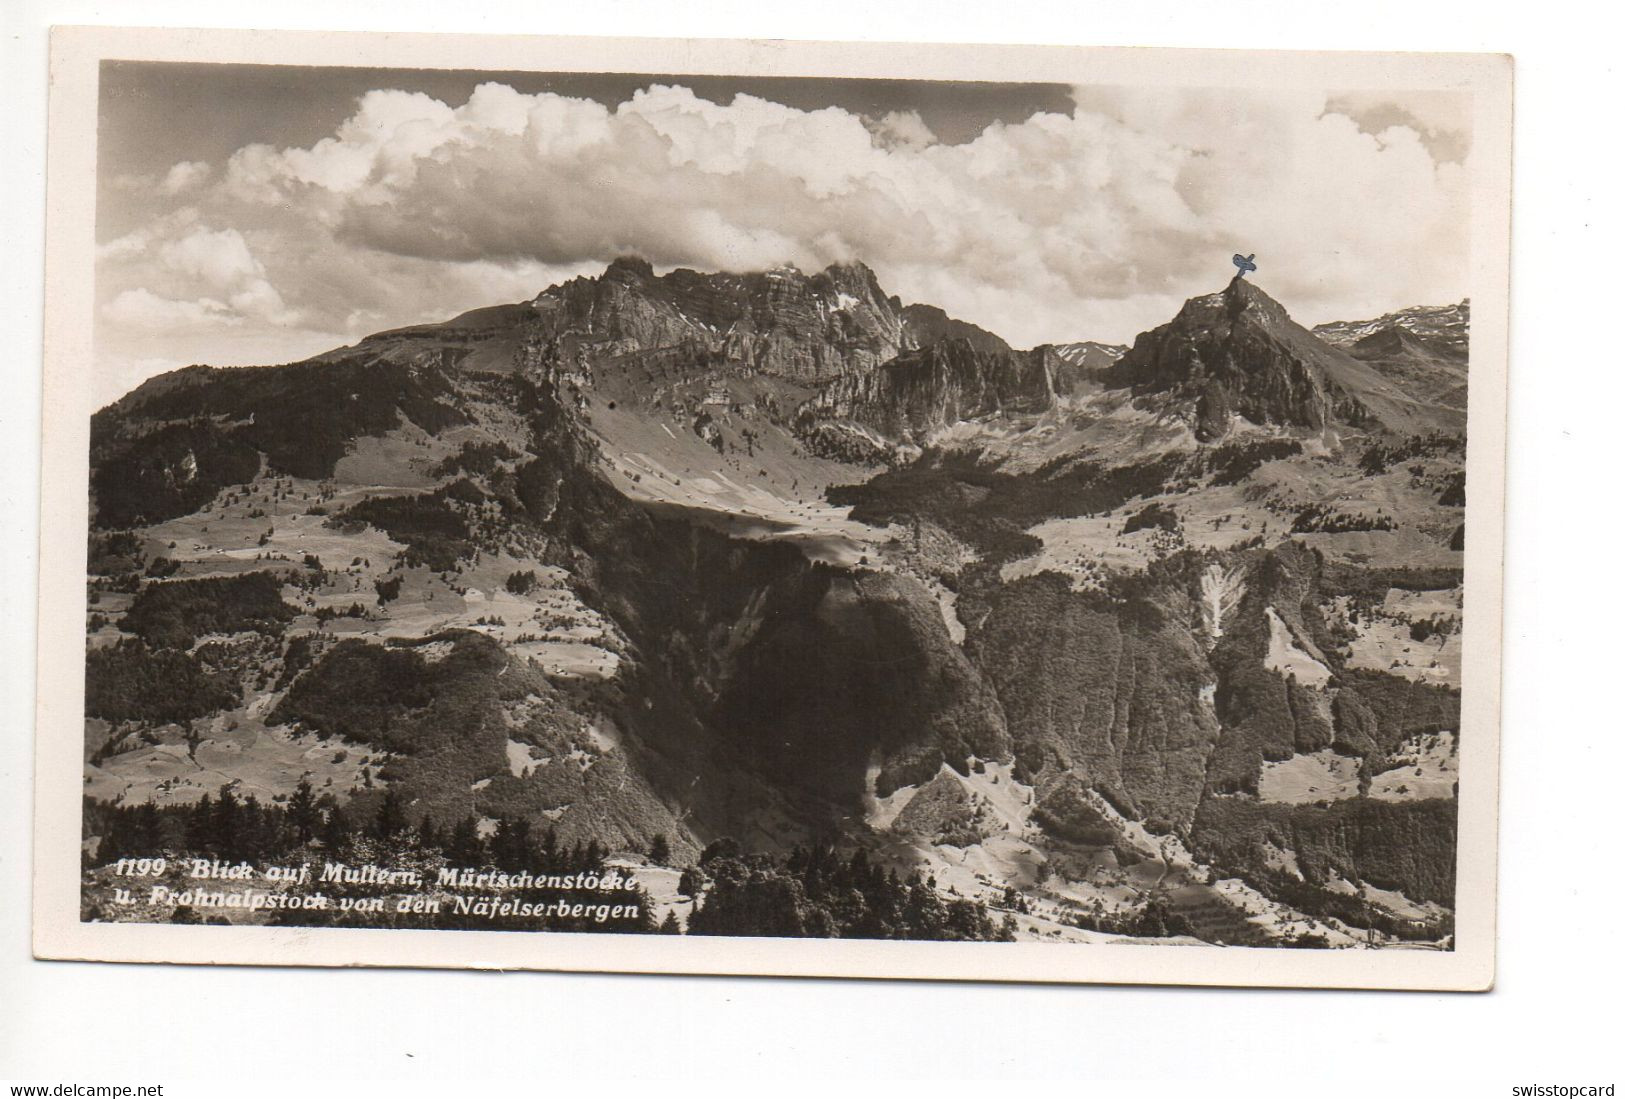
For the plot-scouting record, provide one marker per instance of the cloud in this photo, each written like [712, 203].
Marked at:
[217, 258]
[184, 177]
[901, 128]
[203, 275]
[1443, 120]
[142, 309]
[1089, 225]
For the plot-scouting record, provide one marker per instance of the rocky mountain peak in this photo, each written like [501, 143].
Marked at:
[1239, 354]
[924, 325]
[854, 275]
[1240, 303]
[629, 270]
[779, 321]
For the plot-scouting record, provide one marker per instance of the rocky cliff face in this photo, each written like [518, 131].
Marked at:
[1238, 354]
[809, 675]
[1110, 695]
[921, 392]
[924, 325]
[1133, 697]
[1083, 362]
[885, 373]
[781, 322]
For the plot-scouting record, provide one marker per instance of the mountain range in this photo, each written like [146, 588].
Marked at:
[1112, 643]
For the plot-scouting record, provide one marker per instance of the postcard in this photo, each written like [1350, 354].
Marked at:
[873, 510]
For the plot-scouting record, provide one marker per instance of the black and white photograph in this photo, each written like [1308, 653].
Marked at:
[873, 500]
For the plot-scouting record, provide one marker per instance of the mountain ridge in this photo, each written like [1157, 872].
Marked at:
[1238, 353]
[601, 575]
[1423, 349]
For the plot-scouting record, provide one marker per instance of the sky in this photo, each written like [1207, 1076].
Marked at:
[261, 214]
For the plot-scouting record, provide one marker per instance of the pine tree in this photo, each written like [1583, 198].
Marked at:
[200, 825]
[511, 845]
[224, 825]
[465, 848]
[336, 830]
[303, 816]
[256, 831]
[113, 842]
[858, 868]
[669, 925]
[143, 829]
[645, 919]
[391, 819]
[660, 849]
[691, 883]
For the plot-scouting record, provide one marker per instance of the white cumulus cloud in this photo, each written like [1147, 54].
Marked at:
[184, 177]
[1089, 225]
[142, 309]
